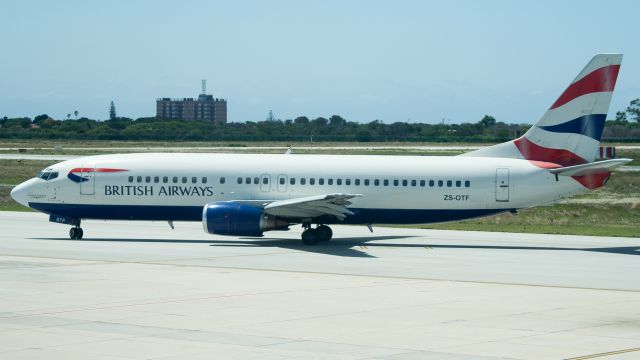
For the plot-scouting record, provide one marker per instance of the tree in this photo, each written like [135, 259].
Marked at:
[75, 112]
[112, 111]
[337, 120]
[68, 116]
[301, 120]
[621, 116]
[633, 110]
[488, 121]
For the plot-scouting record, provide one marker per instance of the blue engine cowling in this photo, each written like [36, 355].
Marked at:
[231, 218]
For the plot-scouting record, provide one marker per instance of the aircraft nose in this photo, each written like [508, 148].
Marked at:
[19, 194]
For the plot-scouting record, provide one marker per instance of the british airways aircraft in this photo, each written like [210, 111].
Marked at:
[246, 195]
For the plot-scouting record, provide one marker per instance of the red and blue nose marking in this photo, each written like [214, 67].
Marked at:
[77, 174]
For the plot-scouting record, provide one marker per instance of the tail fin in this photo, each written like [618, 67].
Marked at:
[569, 132]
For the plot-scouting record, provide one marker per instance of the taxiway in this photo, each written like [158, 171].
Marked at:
[133, 290]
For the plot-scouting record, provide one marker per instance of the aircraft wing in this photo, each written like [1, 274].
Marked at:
[312, 206]
[590, 168]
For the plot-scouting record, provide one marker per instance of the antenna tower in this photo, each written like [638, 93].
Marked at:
[204, 87]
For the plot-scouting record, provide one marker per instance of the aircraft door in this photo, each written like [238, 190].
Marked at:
[502, 185]
[282, 183]
[265, 182]
[87, 180]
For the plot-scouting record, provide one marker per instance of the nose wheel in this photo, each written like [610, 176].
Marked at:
[75, 233]
[313, 236]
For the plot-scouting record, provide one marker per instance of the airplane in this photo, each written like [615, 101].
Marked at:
[249, 194]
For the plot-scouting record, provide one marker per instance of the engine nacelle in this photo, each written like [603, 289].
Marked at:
[231, 218]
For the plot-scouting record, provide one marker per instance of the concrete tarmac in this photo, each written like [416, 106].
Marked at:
[134, 290]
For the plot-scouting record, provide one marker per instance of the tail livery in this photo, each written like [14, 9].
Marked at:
[569, 133]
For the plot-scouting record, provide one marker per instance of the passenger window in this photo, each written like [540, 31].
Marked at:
[303, 181]
[347, 182]
[449, 183]
[385, 182]
[467, 183]
[222, 180]
[440, 183]
[423, 183]
[395, 182]
[184, 179]
[414, 183]
[165, 179]
[204, 180]
[458, 183]
[281, 180]
[156, 179]
[366, 182]
[404, 182]
[292, 181]
[431, 183]
[256, 180]
[357, 182]
[147, 179]
[139, 179]
[194, 180]
[131, 179]
[239, 180]
[247, 181]
[175, 179]
[321, 181]
[330, 181]
[376, 182]
[312, 181]
[339, 182]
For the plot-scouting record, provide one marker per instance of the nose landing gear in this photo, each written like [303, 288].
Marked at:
[75, 233]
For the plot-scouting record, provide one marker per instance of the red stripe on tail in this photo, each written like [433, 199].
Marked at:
[603, 79]
[532, 151]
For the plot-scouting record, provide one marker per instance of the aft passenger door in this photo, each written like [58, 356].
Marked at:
[87, 180]
[502, 185]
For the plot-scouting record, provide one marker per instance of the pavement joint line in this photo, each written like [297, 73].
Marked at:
[609, 353]
[328, 273]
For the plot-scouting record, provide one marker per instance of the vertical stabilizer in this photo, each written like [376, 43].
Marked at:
[569, 132]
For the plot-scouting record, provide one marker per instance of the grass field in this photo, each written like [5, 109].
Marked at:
[613, 210]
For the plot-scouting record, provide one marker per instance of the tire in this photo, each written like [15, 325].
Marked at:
[324, 233]
[72, 233]
[79, 233]
[310, 237]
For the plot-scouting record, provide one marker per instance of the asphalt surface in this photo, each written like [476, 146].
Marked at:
[133, 290]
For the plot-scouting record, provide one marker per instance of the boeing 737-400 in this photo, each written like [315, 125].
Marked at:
[246, 195]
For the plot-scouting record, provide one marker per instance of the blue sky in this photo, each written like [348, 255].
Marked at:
[418, 61]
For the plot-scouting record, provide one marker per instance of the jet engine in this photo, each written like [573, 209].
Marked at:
[231, 218]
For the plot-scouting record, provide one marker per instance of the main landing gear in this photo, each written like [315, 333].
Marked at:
[75, 233]
[313, 236]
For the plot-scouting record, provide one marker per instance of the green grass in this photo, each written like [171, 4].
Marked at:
[574, 219]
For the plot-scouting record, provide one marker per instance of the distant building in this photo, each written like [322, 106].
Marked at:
[206, 107]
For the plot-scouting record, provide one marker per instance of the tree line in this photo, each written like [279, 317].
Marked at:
[626, 127]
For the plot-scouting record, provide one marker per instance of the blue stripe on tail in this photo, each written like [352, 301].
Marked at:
[588, 125]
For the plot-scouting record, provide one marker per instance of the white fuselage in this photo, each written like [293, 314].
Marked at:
[394, 189]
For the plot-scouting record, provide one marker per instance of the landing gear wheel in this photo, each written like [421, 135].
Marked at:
[310, 237]
[324, 232]
[75, 233]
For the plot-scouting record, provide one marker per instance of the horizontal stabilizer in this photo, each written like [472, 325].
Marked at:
[597, 167]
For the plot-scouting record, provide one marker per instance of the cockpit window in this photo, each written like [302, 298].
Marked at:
[47, 175]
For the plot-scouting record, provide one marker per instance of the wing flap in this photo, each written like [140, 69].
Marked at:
[312, 206]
